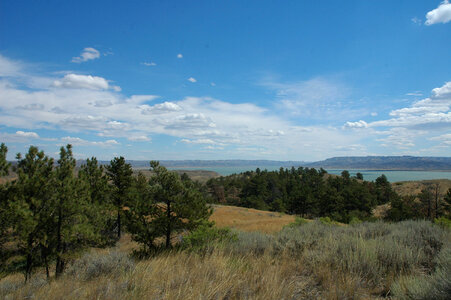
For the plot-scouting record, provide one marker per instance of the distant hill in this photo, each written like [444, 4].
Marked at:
[208, 163]
[385, 163]
[407, 163]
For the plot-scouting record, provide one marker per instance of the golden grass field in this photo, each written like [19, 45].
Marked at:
[249, 219]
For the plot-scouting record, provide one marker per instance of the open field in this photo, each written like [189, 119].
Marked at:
[248, 219]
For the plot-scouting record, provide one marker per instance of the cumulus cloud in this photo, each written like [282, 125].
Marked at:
[432, 112]
[179, 55]
[442, 14]
[358, 124]
[87, 54]
[75, 81]
[93, 109]
[26, 134]
[192, 79]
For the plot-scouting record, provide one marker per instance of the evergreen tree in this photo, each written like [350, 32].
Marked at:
[426, 201]
[120, 173]
[180, 205]
[93, 174]
[447, 203]
[4, 164]
[384, 191]
[5, 214]
[101, 205]
[32, 204]
[141, 214]
[73, 228]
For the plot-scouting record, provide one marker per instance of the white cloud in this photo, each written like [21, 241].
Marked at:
[75, 81]
[200, 141]
[444, 138]
[416, 93]
[139, 99]
[161, 108]
[192, 79]
[213, 84]
[432, 112]
[96, 110]
[358, 124]
[76, 141]
[139, 138]
[26, 134]
[179, 55]
[9, 67]
[87, 54]
[149, 64]
[442, 92]
[373, 114]
[416, 20]
[442, 14]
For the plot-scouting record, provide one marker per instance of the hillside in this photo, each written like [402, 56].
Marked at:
[384, 163]
[416, 163]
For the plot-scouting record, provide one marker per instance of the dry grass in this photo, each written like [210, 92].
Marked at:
[248, 219]
[405, 188]
[312, 261]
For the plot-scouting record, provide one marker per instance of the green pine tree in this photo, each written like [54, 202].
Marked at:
[5, 213]
[100, 200]
[120, 173]
[73, 228]
[180, 205]
[31, 199]
[4, 164]
[141, 213]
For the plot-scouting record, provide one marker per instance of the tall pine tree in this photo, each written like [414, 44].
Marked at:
[31, 201]
[120, 173]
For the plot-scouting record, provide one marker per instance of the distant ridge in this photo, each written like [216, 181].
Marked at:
[407, 163]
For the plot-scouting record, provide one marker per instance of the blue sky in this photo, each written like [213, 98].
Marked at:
[283, 80]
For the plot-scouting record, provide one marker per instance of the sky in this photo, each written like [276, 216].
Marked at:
[278, 80]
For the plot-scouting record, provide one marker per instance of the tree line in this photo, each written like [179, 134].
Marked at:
[51, 211]
[312, 193]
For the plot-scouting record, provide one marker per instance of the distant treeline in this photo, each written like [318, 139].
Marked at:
[311, 193]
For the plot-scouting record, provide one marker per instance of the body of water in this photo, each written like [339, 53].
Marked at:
[369, 175]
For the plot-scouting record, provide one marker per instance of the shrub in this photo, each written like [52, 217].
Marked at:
[250, 243]
[93, 265]
[443, 221]
[328, 221]
[207, 236]
[298, 221]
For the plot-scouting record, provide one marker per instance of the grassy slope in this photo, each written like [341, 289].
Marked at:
[248, 219]
[313, 261]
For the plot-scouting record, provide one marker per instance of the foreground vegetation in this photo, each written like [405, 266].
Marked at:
[407, 260]
[100, 232]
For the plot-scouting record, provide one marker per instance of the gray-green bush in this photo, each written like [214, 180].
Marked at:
[92, 265]
[375, 253]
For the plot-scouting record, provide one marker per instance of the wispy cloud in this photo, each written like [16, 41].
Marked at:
[149, 64]
[179, 55]
[87, 54]
[441, 14]
[192, 79]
